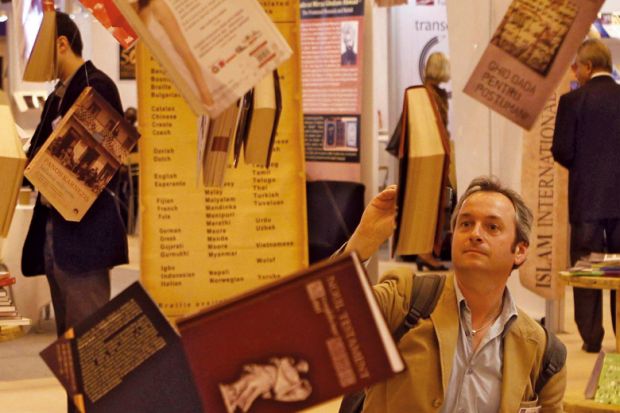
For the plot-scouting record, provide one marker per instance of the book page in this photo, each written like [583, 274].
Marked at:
[213, 50]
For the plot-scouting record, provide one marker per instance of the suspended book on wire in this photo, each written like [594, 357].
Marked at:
[82, 155]
[41, 65]
[12, 163]
[215, 52]
[423, 174]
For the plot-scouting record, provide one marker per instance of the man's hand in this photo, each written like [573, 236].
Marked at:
[376, 225]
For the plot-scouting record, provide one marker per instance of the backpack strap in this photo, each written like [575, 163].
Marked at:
[425, 293]
[553, 360]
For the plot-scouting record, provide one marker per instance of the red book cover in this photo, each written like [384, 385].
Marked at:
[7, 281]
[106, 12]
[302, 340]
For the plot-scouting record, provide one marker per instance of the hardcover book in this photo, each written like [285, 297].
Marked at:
[263, 120]
[124, 358]
[604, 383]
[423, 174]
[220, 133]
[41, 65]
[297, 342]
[214, 51]
[83, 153]
[12, 163]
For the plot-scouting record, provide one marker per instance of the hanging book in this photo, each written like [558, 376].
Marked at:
[214, 51]
[41, 65]
[297, 342]
[12, 163]
[124, 358]
[220, 135]
[423, 173]
[82, 155]
[264, 117]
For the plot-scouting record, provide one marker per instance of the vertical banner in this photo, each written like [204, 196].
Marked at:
[544, 185]
[331, 55]
[201, 245]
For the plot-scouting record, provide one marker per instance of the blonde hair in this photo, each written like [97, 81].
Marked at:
[437, 68]
[597, 53]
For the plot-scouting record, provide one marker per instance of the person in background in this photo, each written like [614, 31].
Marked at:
[477, 352]
[76, 257]
[587, 142]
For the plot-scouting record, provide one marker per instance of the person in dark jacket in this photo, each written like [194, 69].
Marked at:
[76, 257]
[587, 142]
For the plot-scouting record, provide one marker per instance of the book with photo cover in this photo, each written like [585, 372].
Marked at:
[124, 358]
[297, 342]
[213, 51]
[82, 155]
[12, 163]
[529, 54]
[423, 173]
[41, 65]
[262, 124]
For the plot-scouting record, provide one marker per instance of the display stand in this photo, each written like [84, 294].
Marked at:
[577, 404]
[599, 283]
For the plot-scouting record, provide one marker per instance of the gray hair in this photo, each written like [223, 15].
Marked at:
[597, 53]
[523, 214]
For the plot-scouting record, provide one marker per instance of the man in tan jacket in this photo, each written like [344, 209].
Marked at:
[477, 352]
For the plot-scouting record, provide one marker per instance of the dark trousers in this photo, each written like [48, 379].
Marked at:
[587, 237]
[74, 296]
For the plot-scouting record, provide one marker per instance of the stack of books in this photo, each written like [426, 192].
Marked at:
[597, 264]
[8, 312]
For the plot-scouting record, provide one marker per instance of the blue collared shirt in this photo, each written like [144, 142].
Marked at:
[476, 380]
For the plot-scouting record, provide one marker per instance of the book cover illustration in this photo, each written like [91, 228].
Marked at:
[528, 56]
[106, 12]
[82, 155]
[292, 344]
[533, 31]
[214, 51]
[125, 357]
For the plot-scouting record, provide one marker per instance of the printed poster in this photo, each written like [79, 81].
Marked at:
[544, 186]
[332, 55]
[199, 245]
[528, 55]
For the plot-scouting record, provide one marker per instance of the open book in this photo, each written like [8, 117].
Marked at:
[423, 174]
[41, 65]
[124, 358]
[294, 343]
[81, 155]
[12, 163]
[214, 51]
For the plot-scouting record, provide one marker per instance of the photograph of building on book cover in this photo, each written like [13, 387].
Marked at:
[93, 143]
[533, 31]
[279, 380]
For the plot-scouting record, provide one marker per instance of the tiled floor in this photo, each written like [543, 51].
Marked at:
[26, 386]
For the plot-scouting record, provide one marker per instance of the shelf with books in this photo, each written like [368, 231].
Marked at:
[12, 325]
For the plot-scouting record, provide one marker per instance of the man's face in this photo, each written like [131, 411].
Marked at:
[347, 37]
[582, 71]
[484, 235]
